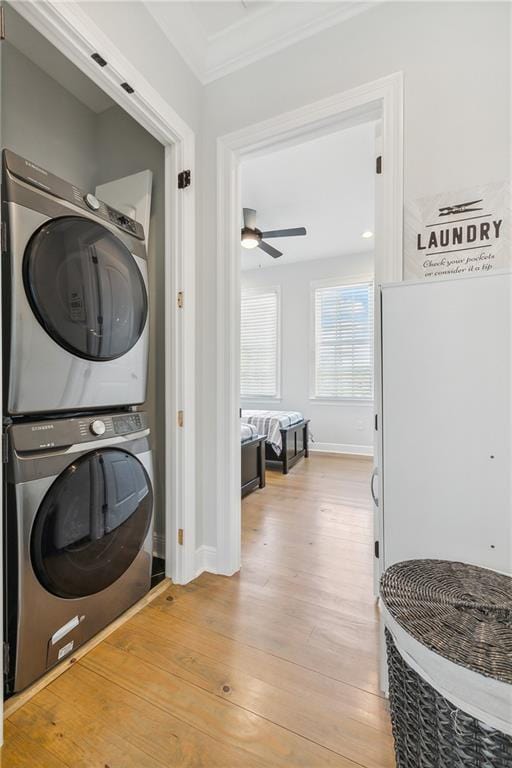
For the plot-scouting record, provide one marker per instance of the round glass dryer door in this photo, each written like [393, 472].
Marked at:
[92, 523]
[85, 288]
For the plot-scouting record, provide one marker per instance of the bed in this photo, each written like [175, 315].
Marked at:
[286, 436]
[253, 458]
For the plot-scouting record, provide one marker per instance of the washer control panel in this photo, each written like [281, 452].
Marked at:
[61, 433]
[38, 177]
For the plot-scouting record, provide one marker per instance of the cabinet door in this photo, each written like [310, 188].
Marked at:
[446, 421]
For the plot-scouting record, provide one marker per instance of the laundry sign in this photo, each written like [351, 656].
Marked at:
[459, 233]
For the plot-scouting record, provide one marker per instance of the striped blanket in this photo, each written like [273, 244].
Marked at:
[270, 423]
[247, 432]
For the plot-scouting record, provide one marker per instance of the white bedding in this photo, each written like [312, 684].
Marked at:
[247, 432]
[270, 424]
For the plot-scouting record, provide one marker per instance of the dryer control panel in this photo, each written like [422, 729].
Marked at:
[38, 177]
[59, 433]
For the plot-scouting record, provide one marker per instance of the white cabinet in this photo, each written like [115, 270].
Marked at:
[446, 376]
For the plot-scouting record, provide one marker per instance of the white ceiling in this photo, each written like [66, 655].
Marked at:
[325, 185]
[43, 54]
[219, 37]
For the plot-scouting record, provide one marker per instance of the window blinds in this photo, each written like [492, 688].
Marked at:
[343, 367]
[259, 369]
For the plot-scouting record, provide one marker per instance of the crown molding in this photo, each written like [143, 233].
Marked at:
[263, 33]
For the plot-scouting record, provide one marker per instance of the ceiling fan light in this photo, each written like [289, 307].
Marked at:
[249, 239]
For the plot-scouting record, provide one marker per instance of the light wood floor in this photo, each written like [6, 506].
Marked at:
[276, 666]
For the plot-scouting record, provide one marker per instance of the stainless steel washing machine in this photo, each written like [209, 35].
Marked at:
[78, 534]
[75, 296]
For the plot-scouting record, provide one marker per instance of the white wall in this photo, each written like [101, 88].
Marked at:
[455, 60]
[336, 427]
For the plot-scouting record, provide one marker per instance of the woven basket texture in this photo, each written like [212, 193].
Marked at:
[460, 611]
[430, 732]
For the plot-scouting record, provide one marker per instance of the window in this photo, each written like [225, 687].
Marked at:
[259, 354]
[343, 341]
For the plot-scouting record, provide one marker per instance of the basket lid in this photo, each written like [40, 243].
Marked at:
[460, 611]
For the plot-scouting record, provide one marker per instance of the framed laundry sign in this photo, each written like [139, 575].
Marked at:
[458, 233]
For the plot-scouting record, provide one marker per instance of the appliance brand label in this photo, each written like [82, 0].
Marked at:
[39, 427]
[462, 233]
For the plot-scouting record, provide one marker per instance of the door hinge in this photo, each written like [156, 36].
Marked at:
[376, 549]
[5, 448]
[180, 418]
[184, 179]
[378, 164]
[180, 299]
[180, 536]
[2, 22]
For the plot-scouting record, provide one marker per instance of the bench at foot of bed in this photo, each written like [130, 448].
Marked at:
[253, 464]
[295, 445]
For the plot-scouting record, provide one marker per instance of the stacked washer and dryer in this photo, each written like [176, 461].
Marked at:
[78, 500]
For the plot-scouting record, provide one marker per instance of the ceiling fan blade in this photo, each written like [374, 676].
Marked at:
[269, 249]
[295, 232]
[249, 218]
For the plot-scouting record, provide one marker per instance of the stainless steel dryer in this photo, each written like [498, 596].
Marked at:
[75, 294]
[78, 538]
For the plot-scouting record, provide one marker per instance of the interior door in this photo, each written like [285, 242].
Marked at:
[85, 288]
[92, 523]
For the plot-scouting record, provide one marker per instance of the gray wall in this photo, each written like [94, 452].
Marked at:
[43, 122]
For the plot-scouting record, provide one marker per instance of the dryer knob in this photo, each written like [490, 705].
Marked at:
[92, 201]
[98, 427]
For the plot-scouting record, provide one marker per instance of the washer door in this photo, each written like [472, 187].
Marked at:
[92, 523]
[85, 288]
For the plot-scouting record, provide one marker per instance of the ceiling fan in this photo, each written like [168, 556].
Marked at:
[252, 237]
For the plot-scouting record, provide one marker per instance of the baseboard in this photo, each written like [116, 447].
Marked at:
[205, 559]
[354, 450]
[159, 545]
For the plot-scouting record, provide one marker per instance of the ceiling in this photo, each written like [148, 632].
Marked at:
[47, 57]
[325, 185]
[219, 37]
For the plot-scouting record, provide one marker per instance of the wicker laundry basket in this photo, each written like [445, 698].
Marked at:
[464, 614]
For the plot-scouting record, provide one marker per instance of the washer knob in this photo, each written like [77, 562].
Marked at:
[92, 201]
[97, 427]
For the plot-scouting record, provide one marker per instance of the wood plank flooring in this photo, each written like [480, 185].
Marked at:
[276, 666]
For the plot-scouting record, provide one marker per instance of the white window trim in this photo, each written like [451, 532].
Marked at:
[331, 282]
[256, 291]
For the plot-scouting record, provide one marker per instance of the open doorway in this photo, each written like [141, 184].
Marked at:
[307, 379]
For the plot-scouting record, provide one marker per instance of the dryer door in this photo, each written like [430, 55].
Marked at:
[92, 523]
[85, 288]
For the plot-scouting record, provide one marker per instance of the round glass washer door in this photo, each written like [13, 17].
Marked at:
[85, 288]
[92, 523]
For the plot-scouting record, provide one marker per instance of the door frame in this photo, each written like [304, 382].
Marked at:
[381, 99]
[69, 28]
